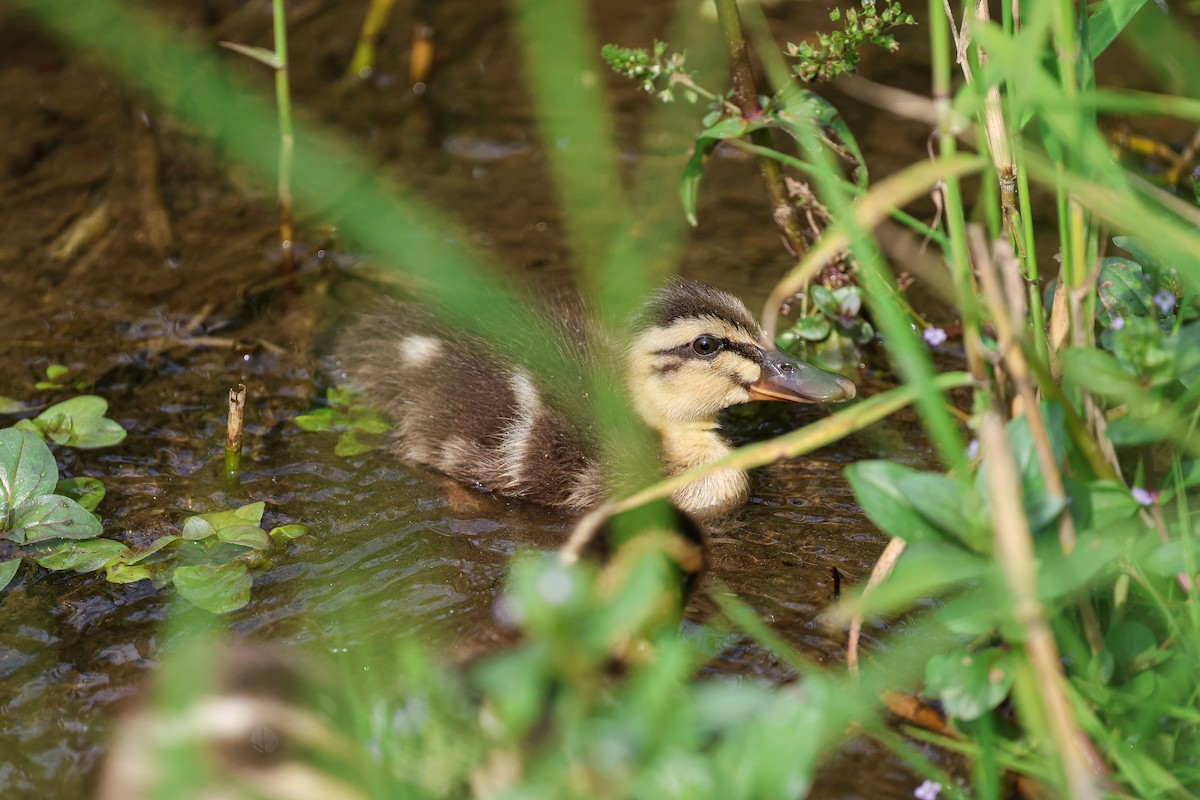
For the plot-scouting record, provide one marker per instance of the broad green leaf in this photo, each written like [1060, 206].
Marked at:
[212, 588]
[8, 571]
[55, 372]
[370, 422]
[197, 528]
[969, 684]
[973, 614]
[288, 532]
[693, 171]
[823, 298]
[878, 487]
[1130, 431]
[1122, 288]
[1098, 372]
[55, 517]
[155, 546]
[88, 492]
[348, 444]
[84, 556]
[813, 328]
[321, 420]
[1130, 642]
[118, 572]
[27, 470]
[80, 422]
[938, 499]
[250, 536]
[1098, 504]
[201, 526]
[1061, 575]
[1104, 25]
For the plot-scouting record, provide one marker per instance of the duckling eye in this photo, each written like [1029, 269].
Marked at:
[706, 346]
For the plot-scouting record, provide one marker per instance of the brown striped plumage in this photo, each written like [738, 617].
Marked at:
[465, 408]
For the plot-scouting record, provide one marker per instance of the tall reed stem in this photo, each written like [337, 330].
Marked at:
[287, 144]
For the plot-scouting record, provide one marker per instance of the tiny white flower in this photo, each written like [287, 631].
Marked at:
[934, 336]
[1143, 497]
[1165, 301]
[929, 790]
[1116, 323]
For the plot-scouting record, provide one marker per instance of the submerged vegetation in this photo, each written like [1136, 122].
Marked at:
[1044, 561]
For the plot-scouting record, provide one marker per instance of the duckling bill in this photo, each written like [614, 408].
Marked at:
[464, 408]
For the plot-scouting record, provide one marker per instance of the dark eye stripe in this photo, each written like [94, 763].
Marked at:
[746, 351]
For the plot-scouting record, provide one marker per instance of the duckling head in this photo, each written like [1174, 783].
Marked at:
[697, 351]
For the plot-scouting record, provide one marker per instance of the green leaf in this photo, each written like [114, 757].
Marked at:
[973, 614]
[877, 486]
[348, 444]
[214, 589]
[285, 533]
[1098, 504]
[1098, 372]
[938, 499]
[155, 546]
[969, 685]
[119, 572]
[801, 113]
[823, 298]
[27, 470]
[10, 406]
[56, 371]
[8, 571]
[693, 171]
[202, 526]
[250, 536]
[198, 528]
[80, 422]
[1122, 289]
[370, 422]
[84, 556]
[815, 328]
[1061, 575]
[260, 54]
[1131, 431]
[322, 420]
[1104, 25]
[88, 492]
[55, 517]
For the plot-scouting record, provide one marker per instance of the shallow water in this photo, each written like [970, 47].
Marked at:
[396, 549]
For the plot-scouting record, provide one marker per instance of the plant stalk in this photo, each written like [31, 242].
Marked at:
[745, 91]
[233, 434]
[287, 144]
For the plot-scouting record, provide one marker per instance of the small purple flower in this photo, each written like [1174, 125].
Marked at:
[973, 449]
[1144, 497]
[934, 336]
[1165, 301]
[929, 790]
[1116, 323]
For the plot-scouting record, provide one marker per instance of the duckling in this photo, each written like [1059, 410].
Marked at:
[462, 407]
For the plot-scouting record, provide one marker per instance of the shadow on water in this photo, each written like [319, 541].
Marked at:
[162, 336]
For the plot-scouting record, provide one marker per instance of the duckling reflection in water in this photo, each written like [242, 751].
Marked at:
[464, 408]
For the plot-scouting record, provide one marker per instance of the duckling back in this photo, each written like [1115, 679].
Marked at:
[464, 409]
